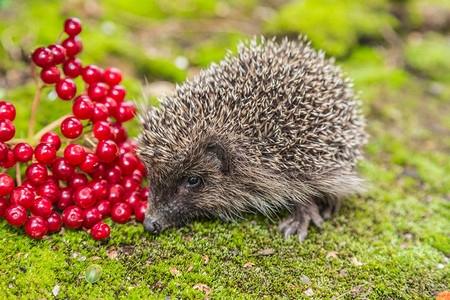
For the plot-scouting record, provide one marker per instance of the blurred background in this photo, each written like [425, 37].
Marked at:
[397, 52]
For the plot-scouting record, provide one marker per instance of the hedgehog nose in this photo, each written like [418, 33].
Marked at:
[152, 226]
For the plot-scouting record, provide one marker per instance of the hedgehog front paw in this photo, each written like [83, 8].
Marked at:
[298, 221]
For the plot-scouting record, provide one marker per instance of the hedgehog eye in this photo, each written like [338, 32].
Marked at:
[193, 182]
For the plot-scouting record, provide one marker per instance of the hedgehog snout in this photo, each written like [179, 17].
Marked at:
[152, 226]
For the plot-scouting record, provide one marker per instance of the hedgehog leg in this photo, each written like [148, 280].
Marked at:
[298, 222]
[329, 205]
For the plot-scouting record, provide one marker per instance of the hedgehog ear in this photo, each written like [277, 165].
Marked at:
[219, 151]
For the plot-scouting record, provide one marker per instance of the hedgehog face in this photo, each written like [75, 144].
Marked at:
[190, 189]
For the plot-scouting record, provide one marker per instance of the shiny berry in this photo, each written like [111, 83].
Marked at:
[42, 57]
[51, 75]
[102, 130]
[100, 113]
[84, 197]
[59, 53]
[145, 192]
[16, 215]
[139, 211]
[114, 174]
[72, 67]
[7, 111]
[97, 91]
[128, 163]
[74, 154]
[36, 227]
[106, 151]
[65, 198]
[71, 128]
[22, 196]
[7, 130]
[125, 112]
[6, 184]
[66, 89]
[121, 212]
[36, 173]
[73, 45]
[100, 188]
[53, 139]
[116, 193]
[4, 204]
[45, 153]
[83, 108]
[72, 26]
[23, 152]
[9, 161]
[91, 216]
[113, 76]
[78, 180]
[104, 207]
[111, 105]
[54, 222]
[100, 172]
[92, 74]
[130, 184]
[62, 170]
[49, 190]
[117, 92]
[100, 231]
[4, 152]
[90, 163]
[72, 217]
[42, 207]
[132, 199]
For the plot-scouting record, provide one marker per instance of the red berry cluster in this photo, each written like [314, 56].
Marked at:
[75, 184]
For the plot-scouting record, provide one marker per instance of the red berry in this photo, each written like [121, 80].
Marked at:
[116, 193]
[102, 130]
[92, 74]
[145, 191]
[6, 184]
[36, 173]
[53, 139]
[72, 217]
[50, 75]
[125, 111]
[97, 91]
[78, 180]
[42, 57]
[45, 153]
[7, 130]
[27, 183]
[59, 53]
[104, 207]
[132, 199]
[73, 45]
[114, 174]
[128, 163]
[66, 89]
[36, 227]
[100, 172]
[3, 152]
[42, 207]
[7, 111]
[72, 26]
[84, 197]
[138, 175]
[83, 108]
[100, 231]
[9, 161]
[100, 188]
[117, 92]
[106, 151]
[113, 76]
[53, 180]
[62, 170]
[54, 222]
[91, 217]
[90, 163]
[49, 190]
[65, 198]
[100, 113]
[121, 212]
[130, 184]
[139, 211]
[22, 196]
[71, 128]
[16, 215]
[74, 154]
[72, 67]
[111, 105]
[4, 204]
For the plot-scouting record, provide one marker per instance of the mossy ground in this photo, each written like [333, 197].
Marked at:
[392, 243]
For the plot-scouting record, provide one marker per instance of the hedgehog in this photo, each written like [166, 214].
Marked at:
[274, 127]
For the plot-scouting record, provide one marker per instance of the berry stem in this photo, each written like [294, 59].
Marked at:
[91, 142]
[58, 40]
[18, 175]
[36, 99]
[14, 142]
[33, 73]
[51, 126]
